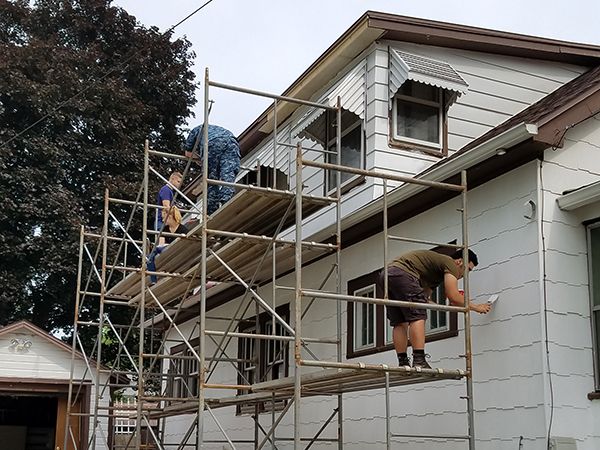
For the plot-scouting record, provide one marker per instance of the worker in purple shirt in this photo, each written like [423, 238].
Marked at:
[164, 198]
[223, 161]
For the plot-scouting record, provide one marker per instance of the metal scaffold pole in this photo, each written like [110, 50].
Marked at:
[338, 263]
[468, 345]
[104, 244]
[203, 274]
[298, 303]
[74, 343]
[140, 368]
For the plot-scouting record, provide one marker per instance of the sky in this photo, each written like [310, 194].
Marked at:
[266, 44]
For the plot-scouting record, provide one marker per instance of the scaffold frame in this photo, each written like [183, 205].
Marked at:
[213, 252]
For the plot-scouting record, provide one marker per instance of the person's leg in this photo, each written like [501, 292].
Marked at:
[151, 263]
[416, 330]
[229, 168]
[214, 161]
[400, 337]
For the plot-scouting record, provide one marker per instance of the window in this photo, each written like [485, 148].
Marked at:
[351, 147]
[263, 360]
[368, 328]
[364, 319]
[594, 259]
[183, 373]
[418, 115]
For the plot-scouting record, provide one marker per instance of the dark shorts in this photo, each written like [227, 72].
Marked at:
[403, 286]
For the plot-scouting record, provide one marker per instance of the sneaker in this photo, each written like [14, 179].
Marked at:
[419, 361]
[404, 361]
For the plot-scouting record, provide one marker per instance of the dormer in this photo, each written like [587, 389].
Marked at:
[421, 91]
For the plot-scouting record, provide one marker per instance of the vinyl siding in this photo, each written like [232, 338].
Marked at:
[507, 343]
[46, 361]
[567, 287]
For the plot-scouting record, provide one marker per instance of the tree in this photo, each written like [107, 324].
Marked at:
[53, 176]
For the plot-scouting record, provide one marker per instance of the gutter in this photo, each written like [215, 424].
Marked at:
[581, 197]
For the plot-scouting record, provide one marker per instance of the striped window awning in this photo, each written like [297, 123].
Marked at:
[407, 66]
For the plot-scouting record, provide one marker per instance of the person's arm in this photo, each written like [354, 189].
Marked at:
[458, 299]
[188, 146]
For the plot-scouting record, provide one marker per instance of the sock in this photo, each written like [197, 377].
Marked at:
[418, 352]
[402, 355]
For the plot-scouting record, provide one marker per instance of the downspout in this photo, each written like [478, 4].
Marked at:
[546, 374]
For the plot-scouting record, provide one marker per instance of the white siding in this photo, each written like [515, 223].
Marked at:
[45, 361]
[567, 294]
[507, 343]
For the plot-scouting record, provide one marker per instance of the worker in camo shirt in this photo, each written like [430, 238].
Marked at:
[223, 161]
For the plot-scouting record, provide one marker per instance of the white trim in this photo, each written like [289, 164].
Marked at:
[419, 101]
[593, 308]
[579, 198]
[359, 293]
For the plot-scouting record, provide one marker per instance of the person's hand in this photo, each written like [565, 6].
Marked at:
[481, 308]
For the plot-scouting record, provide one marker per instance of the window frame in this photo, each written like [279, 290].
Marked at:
[354, 180]
[264, 370]
[407, 143]
[594, 309]
[182, 380]
[369, 288]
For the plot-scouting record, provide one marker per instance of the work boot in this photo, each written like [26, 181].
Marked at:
[419, 360]
[403, 361]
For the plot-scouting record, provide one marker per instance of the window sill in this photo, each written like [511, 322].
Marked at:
[402, 145]
[594, 395]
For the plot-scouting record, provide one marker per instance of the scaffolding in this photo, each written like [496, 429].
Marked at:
[232, 247]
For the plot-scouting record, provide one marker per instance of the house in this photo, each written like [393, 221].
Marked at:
[428, 100]
[35, 370]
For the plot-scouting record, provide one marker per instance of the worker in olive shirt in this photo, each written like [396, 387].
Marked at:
[412, 277]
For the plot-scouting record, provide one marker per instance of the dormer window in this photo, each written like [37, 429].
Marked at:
[418, 115]
[421, 90]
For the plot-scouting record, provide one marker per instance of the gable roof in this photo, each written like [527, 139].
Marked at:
[374, 25]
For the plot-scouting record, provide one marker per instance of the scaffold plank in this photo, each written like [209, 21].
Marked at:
[249, 211]
[324, 382]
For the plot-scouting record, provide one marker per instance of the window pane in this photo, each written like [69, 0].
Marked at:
[437, 320]
[364, 320]
[351, 155]
[417, 121]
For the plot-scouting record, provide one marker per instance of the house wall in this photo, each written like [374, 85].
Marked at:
[509, 390]
[567, 299]
[45, 361]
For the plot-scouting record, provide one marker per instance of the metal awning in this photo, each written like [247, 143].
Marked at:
[350, 89]
[407, 66]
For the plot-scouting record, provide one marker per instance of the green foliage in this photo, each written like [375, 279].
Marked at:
[53, 177]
